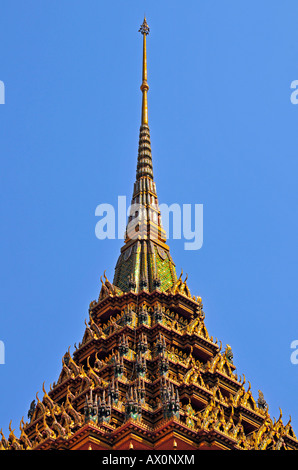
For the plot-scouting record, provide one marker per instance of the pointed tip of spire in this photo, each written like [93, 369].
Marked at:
[144, 28]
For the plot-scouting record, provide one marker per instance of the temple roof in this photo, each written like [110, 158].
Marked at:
[147, 375]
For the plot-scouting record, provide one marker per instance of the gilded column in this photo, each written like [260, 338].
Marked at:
[144, 30]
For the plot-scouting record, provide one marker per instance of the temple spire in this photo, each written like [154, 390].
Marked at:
[144, 30]
[145, 263]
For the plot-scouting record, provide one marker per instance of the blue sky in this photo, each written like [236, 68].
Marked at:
[223, 133]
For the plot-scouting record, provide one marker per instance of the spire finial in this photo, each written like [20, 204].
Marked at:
[144, 30]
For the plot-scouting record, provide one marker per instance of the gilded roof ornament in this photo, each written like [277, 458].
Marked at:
[144, 28]
[143, 346]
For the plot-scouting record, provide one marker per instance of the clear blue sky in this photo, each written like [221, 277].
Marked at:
[224, 134]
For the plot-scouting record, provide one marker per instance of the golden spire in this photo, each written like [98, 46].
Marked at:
[144, 30]
[139, 267]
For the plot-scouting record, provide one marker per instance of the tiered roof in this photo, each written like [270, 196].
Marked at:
[147, 374]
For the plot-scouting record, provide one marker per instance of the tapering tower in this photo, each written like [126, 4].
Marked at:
[147, 374]
[145, 262]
